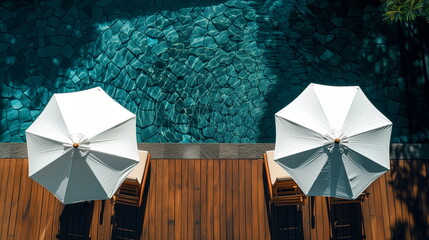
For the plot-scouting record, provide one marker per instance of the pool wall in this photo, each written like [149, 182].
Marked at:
[206, 71]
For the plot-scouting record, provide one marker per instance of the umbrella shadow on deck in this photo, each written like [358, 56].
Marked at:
[346, 221]
[75, 221]
[286, 222]
[128, 220]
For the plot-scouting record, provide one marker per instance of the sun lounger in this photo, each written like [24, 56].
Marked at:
[283, 190]
[131, 190]
[345, 217]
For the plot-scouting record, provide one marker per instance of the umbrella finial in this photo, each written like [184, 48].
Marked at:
[337, 140]
[75, 145]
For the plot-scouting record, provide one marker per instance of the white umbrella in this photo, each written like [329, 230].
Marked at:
[82, 146]
[332, 141]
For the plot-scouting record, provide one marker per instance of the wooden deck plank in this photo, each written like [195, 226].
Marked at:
[424, 198]
[152, 201]
[45, 217]
[191, 201]
[379, 210]
[3, 187]
[326, 226]
[366, 217]
[229, 200]
[396, 192]
[420, 201]
[385, 206]
[243, 175]
[369, 214]
[184, 208]
[266, 229]
[312, 216]
[94, 224]
[58, 208]
[7, 188]
[37, 209]
[203, 198]
[216, 200]
[306, 219]
[15, 198]
[178, 201]
[99, 209]
[146, 204]
[50, 234]
[235, 200]
[413, 206]
[23, 199]
[404, 194]
[249, 206]
[222, 199]
[164, 167]
[159, 197]
[210, 202]
[162, 199]
[16, 177]
[197, 199]
[53, 214]
[258, 196]
[171, 197]
[320, 205]
[253, 178]
[390, 202]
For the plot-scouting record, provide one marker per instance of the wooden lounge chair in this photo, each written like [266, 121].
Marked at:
[131, 190]
[283, 190]
[345, 217]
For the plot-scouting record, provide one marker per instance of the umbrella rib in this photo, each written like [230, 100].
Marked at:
[114, 126]
[68, 182]
[357, 164]
[350, 149]
[44, 137]
[62, 118]
[53, 160]
[321, 107]
[98, 160]
[372, 129]
[276, 160]
[348, 184]
[115, 155]
[297, 124]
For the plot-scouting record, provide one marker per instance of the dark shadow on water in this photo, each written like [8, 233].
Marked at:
[346, 43]
[75, 221]
[414, 48]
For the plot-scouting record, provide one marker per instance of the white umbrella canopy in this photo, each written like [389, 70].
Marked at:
[332, 141]
[82, 146]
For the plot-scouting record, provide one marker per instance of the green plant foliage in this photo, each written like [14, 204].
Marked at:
[405, 10]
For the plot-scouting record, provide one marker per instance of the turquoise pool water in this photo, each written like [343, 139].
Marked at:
[200, 71]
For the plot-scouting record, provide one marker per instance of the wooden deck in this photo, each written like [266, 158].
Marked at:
[215, 199]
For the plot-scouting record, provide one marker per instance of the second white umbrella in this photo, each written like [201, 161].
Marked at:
[332, 141]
